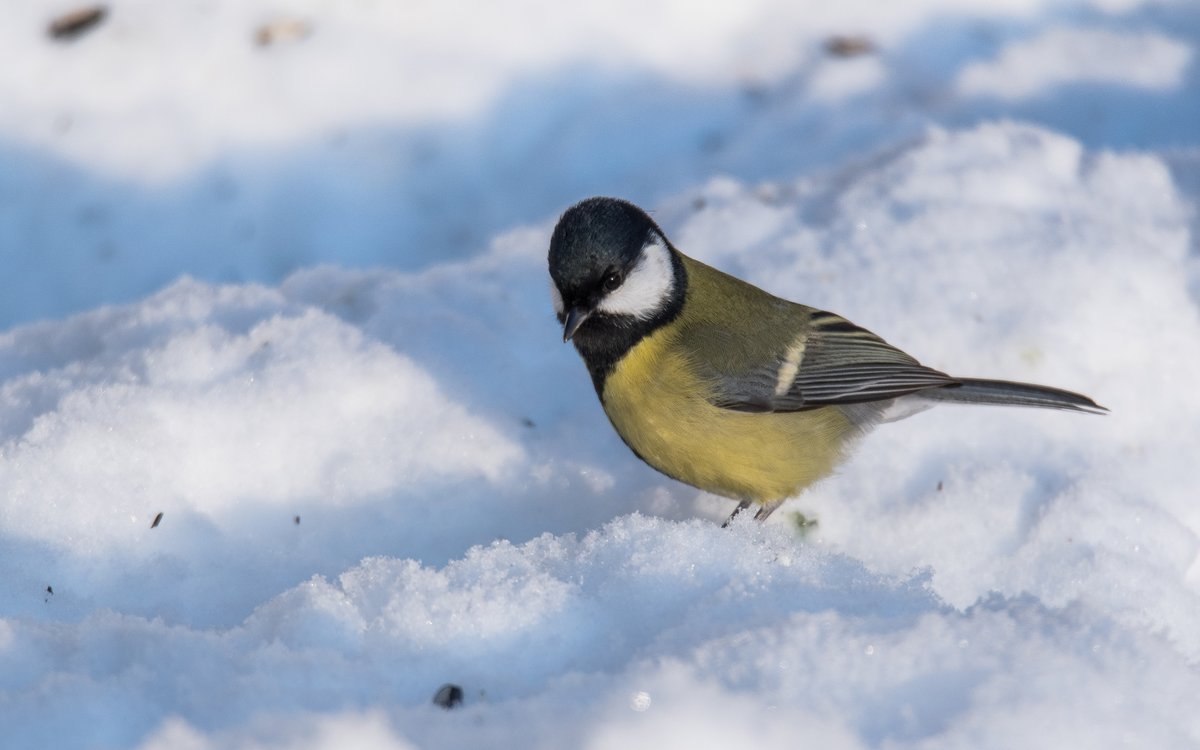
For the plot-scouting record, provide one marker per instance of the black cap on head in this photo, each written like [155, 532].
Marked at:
[594, 236]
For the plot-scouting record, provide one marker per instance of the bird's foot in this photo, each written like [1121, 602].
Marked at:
[740, 507]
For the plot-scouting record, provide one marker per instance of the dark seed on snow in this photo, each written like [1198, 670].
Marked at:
[448, 696]
[76, 23]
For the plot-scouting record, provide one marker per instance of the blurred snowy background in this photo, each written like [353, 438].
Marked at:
[275, 271]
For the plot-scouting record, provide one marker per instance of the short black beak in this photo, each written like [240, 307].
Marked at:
[575, 317]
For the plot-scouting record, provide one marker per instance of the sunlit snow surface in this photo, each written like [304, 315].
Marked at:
[379, 469]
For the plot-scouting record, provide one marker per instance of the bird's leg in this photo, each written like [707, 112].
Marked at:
[767, 509]
[740, 507]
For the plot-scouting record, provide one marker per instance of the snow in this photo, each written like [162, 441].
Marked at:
[293, 298]
[1072, 56]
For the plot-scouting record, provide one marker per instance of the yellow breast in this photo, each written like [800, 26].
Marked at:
[661, 410]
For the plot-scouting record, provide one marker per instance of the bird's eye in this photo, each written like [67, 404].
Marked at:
[611, 281]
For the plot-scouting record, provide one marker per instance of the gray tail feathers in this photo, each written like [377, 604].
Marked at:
[1006, 393]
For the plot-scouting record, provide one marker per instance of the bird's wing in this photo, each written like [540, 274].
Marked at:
[830, 361]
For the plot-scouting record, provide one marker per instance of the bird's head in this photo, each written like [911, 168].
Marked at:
[609, 262]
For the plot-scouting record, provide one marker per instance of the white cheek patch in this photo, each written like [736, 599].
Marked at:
[556, 298]
[647, 287]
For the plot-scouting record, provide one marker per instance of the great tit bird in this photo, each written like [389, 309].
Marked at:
[716, 383]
